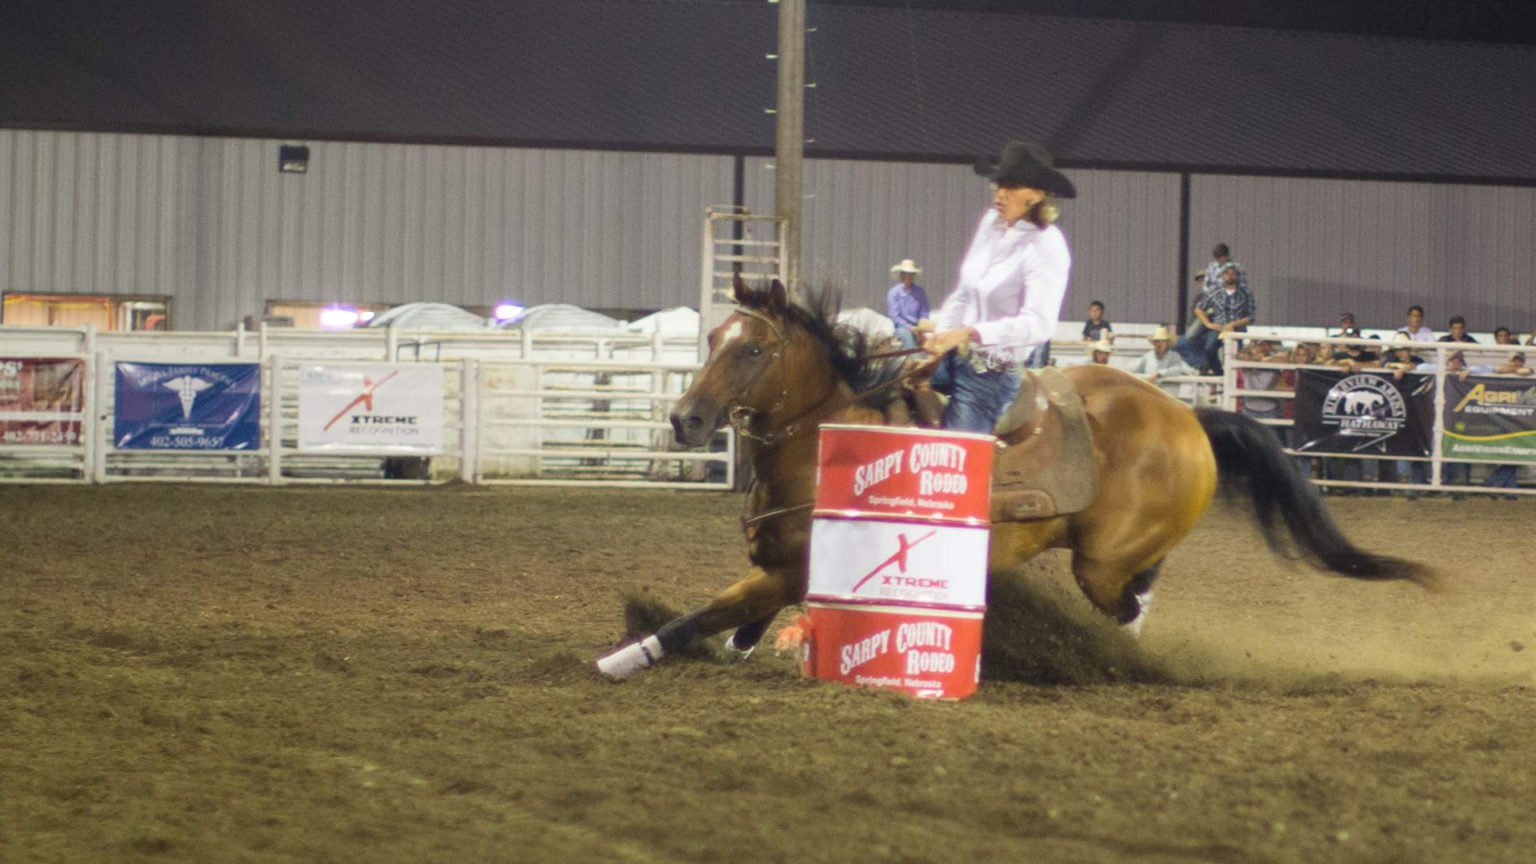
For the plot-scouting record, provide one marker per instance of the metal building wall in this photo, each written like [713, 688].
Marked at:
[104, 214]
[1315, 248]
[214, 224]
[862, 217]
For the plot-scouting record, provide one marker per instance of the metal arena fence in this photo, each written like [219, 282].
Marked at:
[534, 407]
[565, 408]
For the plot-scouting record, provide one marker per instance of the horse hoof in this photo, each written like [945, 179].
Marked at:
[630, 659]
[733, 654]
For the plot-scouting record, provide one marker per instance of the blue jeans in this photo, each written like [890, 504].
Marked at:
[1503, 476]
[976, 399]
[1200, 347]
[905, 336]
[1417, 471]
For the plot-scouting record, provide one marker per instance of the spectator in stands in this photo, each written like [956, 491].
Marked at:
[1161, 362]
[1514, 366]
[1352, 358]
[1098, 353]
[1096, 328]
[1347, 326]
[1209, 279]
[1415, 327]
[906, 303]
[1458, 331]
[1264, 407]
[1304, 354]
[1400, 357]
[1531, 339]
[1504, 476]
[1230, 308]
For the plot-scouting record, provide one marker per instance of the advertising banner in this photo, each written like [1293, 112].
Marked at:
[1364, 412]
[381, 409]
[179, 406]
[895, 563]
[930, 655]
[1490, 419]
[905, 473]
[41, 400]
[898, 559]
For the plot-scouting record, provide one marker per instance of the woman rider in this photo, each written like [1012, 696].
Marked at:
[1008, 298]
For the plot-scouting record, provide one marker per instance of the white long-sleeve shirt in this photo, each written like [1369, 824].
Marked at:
[1011, 286]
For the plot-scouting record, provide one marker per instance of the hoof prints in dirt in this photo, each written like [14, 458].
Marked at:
[644, 615]
[1030, 635]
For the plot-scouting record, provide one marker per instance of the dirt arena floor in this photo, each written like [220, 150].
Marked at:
[201, 674]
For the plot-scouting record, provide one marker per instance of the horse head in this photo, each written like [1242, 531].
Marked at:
[746, 375]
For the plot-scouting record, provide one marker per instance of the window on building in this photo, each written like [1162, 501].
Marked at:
[105, 311]
[312, 315]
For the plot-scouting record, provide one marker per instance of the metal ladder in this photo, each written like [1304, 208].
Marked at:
[735, 240]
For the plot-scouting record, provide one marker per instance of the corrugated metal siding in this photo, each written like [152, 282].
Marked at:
[91, 213]
[213, 223]
[861, 217]
[1315, 248]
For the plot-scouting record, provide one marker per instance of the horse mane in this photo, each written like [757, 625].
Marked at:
[815, 312]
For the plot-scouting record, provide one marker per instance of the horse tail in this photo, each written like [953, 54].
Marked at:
[1250, 462]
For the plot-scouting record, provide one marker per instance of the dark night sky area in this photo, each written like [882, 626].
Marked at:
[1506, 21]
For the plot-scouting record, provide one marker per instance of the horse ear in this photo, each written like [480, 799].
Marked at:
[778, 294]
[739, 288]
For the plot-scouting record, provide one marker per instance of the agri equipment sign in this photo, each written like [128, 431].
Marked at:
[1490, 419]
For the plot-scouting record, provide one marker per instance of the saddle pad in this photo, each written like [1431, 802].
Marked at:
[1051, 472]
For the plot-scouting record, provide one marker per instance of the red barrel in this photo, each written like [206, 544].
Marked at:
[898, 559]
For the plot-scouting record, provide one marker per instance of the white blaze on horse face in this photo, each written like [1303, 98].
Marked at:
[730, 333]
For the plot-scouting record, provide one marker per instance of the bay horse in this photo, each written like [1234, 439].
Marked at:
[777, 370]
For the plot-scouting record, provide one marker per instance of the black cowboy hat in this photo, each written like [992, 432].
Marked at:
[1024, 163]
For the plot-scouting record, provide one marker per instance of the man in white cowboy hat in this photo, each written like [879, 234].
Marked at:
[906, 303]
[1161, 362]
[1098, 353]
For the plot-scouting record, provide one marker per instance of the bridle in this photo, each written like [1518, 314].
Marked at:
[740, 416]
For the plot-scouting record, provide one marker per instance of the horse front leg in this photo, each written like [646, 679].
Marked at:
[755, 598]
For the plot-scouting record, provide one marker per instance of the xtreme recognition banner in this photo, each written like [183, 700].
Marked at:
[380, 409]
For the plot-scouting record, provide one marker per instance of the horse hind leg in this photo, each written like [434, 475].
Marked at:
[1125, 599]
[746, 637]
[1136, 600]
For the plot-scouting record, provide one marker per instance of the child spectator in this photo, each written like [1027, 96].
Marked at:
[1096, 328]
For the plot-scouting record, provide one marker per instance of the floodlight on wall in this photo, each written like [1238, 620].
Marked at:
[508, 311]
[292, 159]
[337, 318]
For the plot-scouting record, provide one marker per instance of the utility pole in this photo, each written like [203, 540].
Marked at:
[789, 145]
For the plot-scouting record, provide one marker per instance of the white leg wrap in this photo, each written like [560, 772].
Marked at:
[631, 659]
[1143, 600]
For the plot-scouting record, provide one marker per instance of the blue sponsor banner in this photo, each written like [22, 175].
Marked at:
[176, 406]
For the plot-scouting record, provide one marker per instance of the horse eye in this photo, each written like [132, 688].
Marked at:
[754, 350]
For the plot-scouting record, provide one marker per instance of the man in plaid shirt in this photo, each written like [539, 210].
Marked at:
[1227, 308]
